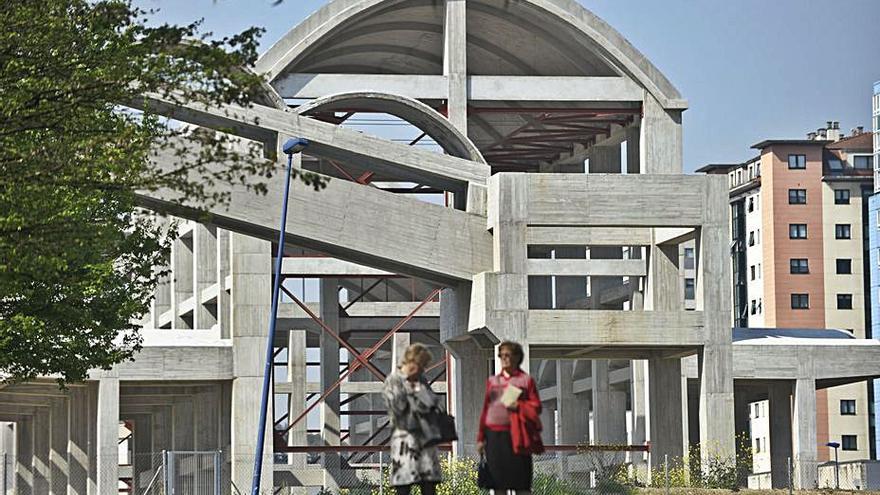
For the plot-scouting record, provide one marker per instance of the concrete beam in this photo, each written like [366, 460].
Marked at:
[341, 221]
[601, 268]
[588, 236]
[307, 86]
[327, 267]
[328, 141]
[614, 328]
[595, 200]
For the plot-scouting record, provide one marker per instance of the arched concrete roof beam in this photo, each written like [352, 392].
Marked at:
[611, 44]
[413, 111]
[396, 50]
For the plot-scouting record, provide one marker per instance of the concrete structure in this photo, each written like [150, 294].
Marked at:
[873, 260]
[820, 196]
[546, 232]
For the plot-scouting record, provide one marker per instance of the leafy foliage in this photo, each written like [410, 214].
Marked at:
[76, 256]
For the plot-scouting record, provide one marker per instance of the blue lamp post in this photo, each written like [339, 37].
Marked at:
[290, 148]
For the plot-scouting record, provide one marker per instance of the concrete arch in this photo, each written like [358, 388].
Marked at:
[413, 111]
[608, 43]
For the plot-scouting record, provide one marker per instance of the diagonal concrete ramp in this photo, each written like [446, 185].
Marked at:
[351, 222]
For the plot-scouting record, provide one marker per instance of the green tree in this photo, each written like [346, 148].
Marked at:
[77, 258]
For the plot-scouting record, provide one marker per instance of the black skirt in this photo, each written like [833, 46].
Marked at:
[509, 471]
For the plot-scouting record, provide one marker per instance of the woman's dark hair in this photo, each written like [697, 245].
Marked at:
[515, 349]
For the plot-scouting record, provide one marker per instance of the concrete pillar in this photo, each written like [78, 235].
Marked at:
[251, 296]
[224, 309]
[296, 375]
[638, 408]
[470, 369]
[455, 63]
[605, 159]
[573, 410]
[182, 421]
[665, 428]
[330, 420]
[24, 456]
[398, 348]
[633, 152]
[162, 302]
[206, 411]
[181, 279]
[804, 434]
[660, 150]
[58, 434]
[40, 465]
[78, 441]
[780, 432]
[204, 272]
[548, 423]
[107, 435]
[609, 407]
[143, 459]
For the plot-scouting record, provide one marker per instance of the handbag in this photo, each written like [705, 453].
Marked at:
[484, 476]
[445, 424]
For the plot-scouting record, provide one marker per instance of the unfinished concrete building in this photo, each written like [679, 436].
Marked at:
[531, 189]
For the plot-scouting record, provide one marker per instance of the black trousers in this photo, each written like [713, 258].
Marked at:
[509, 471]
[428, 488]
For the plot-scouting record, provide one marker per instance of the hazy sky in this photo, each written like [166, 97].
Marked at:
[751, 69]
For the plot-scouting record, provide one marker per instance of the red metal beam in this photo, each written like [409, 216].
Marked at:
[375, 371]
[363, 356]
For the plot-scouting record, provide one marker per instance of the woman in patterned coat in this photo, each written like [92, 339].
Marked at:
[409, 399]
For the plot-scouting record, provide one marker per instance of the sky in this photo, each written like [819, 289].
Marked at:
[750, 69]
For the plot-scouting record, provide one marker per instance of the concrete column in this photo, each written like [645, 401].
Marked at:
[251, 296]
[142, 463]
[107, 435]
[330, 420]
[24, 456]
[204, 272]
[780, 432]
[181, 278]
[804, 434]
[296, 375]
[400, 343]
[58, 434]
[41, 451]
[633, 145]
[78, 441]
[224, 309]
[660, 150]
[573, 410]
[605, 159]
[455, 63]
[470, 369]
[665, 428]
[609, 407]
[638, 413]
[206, 411]
[548, 423]
[162, 302]
[182, 424]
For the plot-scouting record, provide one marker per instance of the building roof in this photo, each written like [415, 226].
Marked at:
[861, 141]
[794, 336]
[716, 167]
[790, 142]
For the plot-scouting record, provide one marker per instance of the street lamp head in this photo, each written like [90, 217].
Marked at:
[833, 445]
[294, 145]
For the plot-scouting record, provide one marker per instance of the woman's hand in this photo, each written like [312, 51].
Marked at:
[411, 371]
[481, 448]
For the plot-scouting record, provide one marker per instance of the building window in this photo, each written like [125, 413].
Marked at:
[842, 231]
[758, 445]
[752, 272]
[834, 164]
[865, 162]
[689, 288]
[754, 306]
[844, 266]
[844, 301]
[841, 196]
[759, 305]
[797, 196]
[848, 407]
[797, 231]
[799, 265]
[751, 204]
[689, 253]
[849, 442]
[752, 238]
[797, 161]
[800, 301]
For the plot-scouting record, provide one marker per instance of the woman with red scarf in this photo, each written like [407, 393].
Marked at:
[510, 424]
